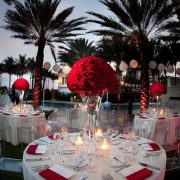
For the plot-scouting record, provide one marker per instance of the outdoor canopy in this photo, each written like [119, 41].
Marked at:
[21, 84]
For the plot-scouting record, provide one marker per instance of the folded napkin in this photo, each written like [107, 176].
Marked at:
[55, 136]
[56, 172]
[32, 149]
[36, 114]
[6, 114]
[136, 172]
[176, 115]
[22, 115]
[151, 147]
[154, 146]
[36, 149]
[161, 118]
[142, 117]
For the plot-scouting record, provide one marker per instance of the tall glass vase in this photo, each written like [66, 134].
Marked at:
[92, 109]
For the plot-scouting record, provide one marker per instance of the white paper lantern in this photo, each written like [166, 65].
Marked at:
[133, 64]
[123, 66]
[152, 64]
[56, 68]
[161, 67]
[66, 69]
[170, 69]
[178, 71]
[47, 65]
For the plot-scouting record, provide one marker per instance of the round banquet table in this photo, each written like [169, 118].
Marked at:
[148, 127]
[103, 163]
[15, 126]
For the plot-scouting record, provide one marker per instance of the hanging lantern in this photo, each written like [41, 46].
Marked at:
[161, 67]
[123, 66]
[47, 65]
[66, 69]
[178, 71]
[56, 68]
[170, 69]
[133, 64]
[152, 64]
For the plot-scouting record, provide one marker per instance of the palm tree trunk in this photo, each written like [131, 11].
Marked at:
[38, 74]
[144, 89]
[9, 81]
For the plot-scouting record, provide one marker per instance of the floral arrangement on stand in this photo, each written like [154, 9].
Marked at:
[156, 90]
[91, 77]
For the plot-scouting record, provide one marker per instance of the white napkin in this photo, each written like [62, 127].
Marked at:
[63, 171]
[132, 169]
[41, 149]
[147, 147]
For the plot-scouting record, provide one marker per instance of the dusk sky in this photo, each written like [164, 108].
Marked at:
[13, 47]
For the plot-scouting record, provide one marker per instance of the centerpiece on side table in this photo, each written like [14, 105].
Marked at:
[156, 90]
[91, 77]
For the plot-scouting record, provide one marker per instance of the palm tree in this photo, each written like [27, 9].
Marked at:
[75, 50]
[9, 67]
[1, 71]
[139, 22]
[35, 22]
[22, 65]
[31, 67]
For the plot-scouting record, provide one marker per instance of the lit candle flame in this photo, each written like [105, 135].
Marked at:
[99, 133]
[105, 145]
[79, 141]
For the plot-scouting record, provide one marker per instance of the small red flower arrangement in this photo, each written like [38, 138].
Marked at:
[157, 89]
[92, 76]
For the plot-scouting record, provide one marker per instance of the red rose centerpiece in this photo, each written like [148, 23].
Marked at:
[157, 89]
[90, 77]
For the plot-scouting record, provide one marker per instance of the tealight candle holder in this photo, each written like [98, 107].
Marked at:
[78, 141]
[104, 148]
[99, 133]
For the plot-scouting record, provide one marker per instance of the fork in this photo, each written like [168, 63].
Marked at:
[123, 167]
[40, 167]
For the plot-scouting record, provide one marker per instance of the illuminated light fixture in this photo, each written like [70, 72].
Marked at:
[56, 68]
[47, 65]
[152, 64]
[66, 69]
[178, 71]
[170, 69]
[123, 66]
[133, 64]
[161, 67]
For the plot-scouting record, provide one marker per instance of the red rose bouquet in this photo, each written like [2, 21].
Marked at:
[157, 89]
[92, 76]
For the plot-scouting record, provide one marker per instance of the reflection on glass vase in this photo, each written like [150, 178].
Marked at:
[92, 108]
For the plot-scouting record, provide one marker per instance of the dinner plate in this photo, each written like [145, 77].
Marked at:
[76, 162]
[68, 151]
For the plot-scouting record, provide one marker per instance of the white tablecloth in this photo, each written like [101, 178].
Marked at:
[103, 164]
[13, 124]
[148, 127]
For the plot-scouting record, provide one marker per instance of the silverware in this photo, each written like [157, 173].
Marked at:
[40, 167]
[83, 177]
[150, 166]
[122, 167]
[38, 159]
[48, 142]
[117, 159]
